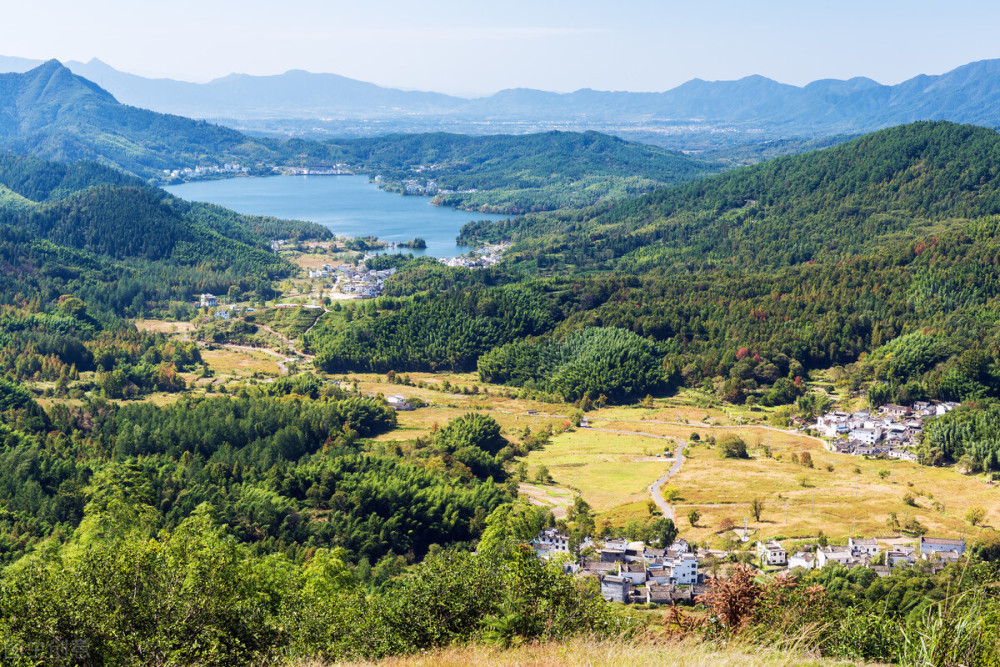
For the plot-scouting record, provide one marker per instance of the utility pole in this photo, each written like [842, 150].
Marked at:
[786, 511]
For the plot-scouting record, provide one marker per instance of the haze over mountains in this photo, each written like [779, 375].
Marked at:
[968, 94]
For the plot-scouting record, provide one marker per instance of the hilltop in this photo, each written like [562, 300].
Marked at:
[53, 113]
[518, 173]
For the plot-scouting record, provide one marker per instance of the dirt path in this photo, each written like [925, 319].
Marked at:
[287, 341]
[554, 498]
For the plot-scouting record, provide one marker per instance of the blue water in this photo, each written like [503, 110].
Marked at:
[347, 205]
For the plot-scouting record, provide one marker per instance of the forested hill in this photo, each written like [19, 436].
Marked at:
[743, 281]
[51, 112]
[894, 184]
[124, 246]
[518, 173]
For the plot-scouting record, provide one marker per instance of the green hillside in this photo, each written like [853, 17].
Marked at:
[894, 184]
[517, 173]
[121, 245]
[52, 113]
[748, 280]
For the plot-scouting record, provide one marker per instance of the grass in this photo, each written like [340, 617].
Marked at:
[608, 469]
[165, 327]
[840, 502]
[239, 363]
[586, 652]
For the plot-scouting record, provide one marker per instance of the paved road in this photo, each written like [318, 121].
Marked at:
[654, 488]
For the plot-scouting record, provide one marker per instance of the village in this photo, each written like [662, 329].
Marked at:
[631, 572]
[480, 258]
[892, 433]
[355, 280]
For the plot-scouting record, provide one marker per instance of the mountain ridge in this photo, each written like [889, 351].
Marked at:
[969, 93]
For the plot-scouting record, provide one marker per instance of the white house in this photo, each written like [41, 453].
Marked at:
[868, 436]
[398, 402]
[554, 540]
[834, 555]
[771, 553]
[634, 572]
[802, 559]
[940, 544]
[860, 545]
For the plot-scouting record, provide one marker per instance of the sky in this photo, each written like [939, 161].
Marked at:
[475, 48]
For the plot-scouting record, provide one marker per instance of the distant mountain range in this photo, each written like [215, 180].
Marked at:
[50, 112]
[968, 94]
[53, 113]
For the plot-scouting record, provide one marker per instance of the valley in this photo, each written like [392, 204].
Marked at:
[498, 390]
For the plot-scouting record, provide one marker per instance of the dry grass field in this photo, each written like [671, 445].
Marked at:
[594, 653]
[239, 363]
[160, 326]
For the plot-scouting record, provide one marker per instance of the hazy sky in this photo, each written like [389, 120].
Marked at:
[468, 47]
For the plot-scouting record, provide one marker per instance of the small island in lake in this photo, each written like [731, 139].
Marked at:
[417, 244]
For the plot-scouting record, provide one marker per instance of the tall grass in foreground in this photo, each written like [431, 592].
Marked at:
[594, 652]
[960, 630]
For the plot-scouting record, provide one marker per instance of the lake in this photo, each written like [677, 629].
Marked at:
[347, 205]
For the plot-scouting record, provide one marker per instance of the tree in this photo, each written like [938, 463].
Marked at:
[756, 508]
[542, 475]
[693, 517]
[733, 447]
[806, 460]
[975, 515]
[663, 532]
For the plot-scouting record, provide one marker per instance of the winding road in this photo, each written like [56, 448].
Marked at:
[654, 488]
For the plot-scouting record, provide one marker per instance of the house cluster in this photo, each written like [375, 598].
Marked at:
[892, 432]
[631, 571]
[318, 170]
[232, 311]
[863, 552]
[276, 244]
[190, 173]
[413, 186]
[479, 259]
[352, 279]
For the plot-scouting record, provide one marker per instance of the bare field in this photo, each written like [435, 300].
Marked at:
[239, 363]
[162, 326]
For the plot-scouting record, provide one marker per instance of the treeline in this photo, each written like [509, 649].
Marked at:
[595, 362]
[969, 436]
[286, 465]
[427, 332]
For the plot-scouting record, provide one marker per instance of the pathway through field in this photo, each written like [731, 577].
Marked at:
[654, 488]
